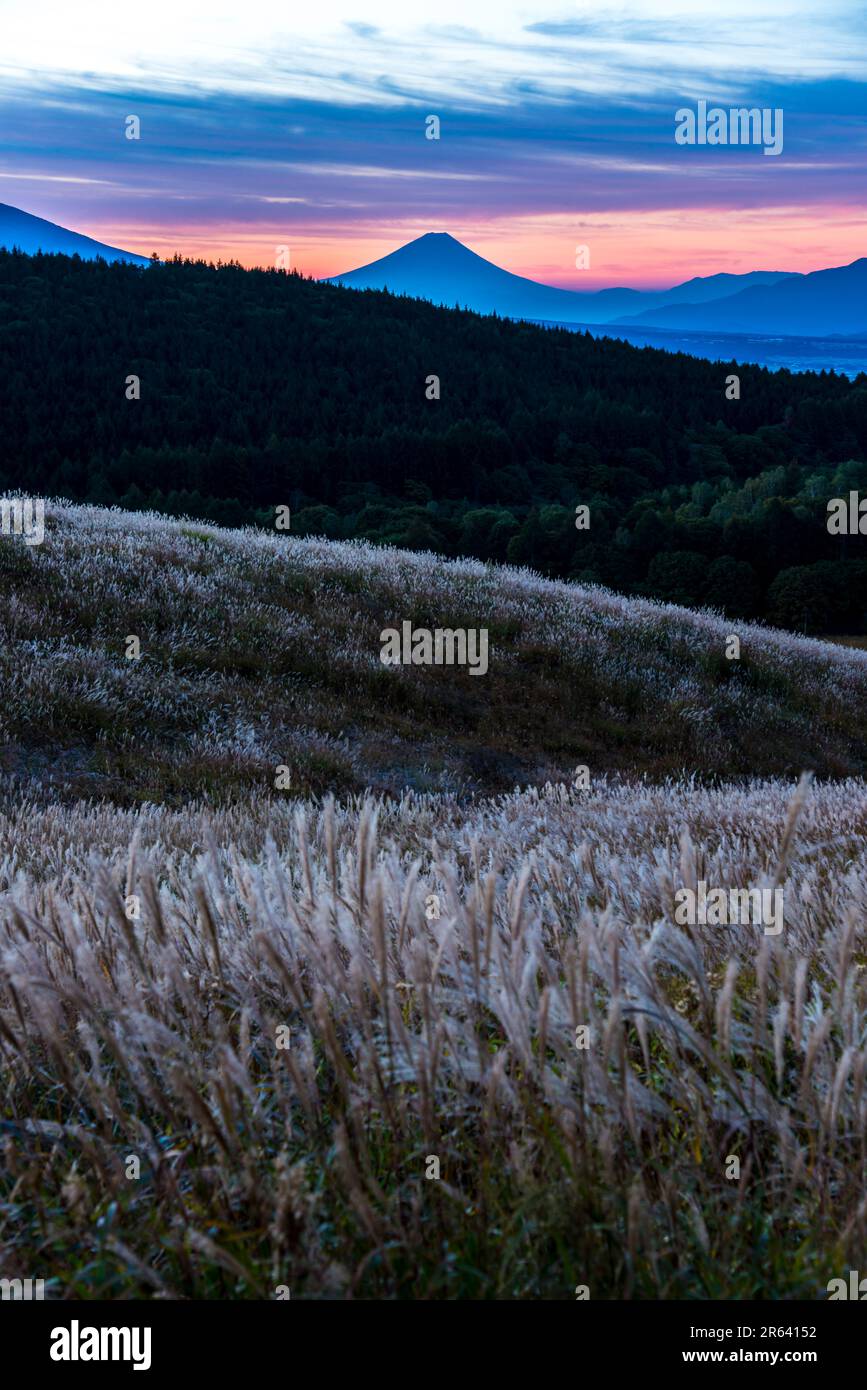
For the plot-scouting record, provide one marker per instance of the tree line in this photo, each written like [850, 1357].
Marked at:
[263, 388]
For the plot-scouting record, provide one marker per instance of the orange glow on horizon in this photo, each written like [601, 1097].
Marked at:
[638, 249]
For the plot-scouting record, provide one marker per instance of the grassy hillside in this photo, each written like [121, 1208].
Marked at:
[236, 1031]
[260, 650]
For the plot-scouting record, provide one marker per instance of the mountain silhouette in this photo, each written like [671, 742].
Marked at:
[24, 232]
[818, 304]
[439, 268]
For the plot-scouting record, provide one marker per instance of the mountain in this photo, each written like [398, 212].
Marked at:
[702, 289]
[818, 304]
[24, 232]
[439, 268]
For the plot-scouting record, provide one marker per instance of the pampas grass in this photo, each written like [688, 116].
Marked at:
[414, 1036]
[260, 650]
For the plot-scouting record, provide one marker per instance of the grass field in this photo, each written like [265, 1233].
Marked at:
[258, 650]
[252, 1039]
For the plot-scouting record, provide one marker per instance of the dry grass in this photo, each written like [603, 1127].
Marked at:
[260, 650]
[453, 1037]
[415, 1036]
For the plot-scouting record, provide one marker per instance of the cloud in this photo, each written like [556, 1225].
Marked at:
[315, 123]
[314, 52]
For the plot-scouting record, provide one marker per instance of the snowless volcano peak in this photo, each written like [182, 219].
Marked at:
[439, 268]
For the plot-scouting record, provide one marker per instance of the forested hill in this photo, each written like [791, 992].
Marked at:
[260, 388]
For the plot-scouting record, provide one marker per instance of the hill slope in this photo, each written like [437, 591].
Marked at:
[259, 650]
[283, 1007]
[261, 388]
[25, 232]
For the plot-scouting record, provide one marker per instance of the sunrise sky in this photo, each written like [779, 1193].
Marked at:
[266, 124]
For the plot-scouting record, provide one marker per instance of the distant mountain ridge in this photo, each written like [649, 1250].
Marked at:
[439, 268]
[23, 232]
[822, 303]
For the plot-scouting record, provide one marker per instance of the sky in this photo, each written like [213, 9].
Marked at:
[267, 125]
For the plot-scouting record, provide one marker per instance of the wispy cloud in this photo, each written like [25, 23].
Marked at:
[260, 125]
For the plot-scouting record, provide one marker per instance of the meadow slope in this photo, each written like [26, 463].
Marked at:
[237, 1024]
[259, 650]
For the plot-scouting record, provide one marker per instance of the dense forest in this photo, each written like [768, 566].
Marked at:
[259, 389]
